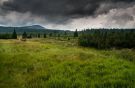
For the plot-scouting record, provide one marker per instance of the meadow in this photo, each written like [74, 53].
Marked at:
[52, 63]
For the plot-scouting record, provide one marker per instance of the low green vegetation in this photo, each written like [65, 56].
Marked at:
[56, 63]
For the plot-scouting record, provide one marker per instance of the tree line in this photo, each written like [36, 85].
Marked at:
[26, 35]
[9, 36]
[107, 38]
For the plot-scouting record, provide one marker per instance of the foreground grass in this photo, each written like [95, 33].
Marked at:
[49, 63]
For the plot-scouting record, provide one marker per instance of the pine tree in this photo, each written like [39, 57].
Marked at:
[14, 35]
[65, 33]
[24, 36]
[76, 33]
[44, 35]
[30, 36]
[39, 35]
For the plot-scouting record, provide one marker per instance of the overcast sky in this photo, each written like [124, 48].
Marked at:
[68, 14]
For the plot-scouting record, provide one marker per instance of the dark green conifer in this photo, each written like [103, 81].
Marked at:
[76, 33]
[14, 35]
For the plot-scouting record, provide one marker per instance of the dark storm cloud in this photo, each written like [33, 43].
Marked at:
[60, 8]
[68, 13]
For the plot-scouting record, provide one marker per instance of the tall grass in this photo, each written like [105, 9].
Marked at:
[47, 63]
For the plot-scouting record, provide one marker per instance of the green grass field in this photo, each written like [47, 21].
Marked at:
[50, 63]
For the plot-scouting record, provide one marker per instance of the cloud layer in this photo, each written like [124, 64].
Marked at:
[68, 14]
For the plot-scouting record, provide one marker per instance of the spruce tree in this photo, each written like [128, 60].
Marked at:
[44, 35]
[24, 36]
[76, 33]
[14, 35]
[65, 33]
[38, 35]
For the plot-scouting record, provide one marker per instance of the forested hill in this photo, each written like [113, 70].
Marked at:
[33, 28]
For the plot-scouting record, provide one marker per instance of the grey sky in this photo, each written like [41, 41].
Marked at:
[68, 14]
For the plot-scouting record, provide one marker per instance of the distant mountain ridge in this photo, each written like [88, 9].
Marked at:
[30, 29]
[35, 27]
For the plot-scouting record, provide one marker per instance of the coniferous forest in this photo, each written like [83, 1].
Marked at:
[108, 38]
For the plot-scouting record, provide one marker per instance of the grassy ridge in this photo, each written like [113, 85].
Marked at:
[49, 63]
